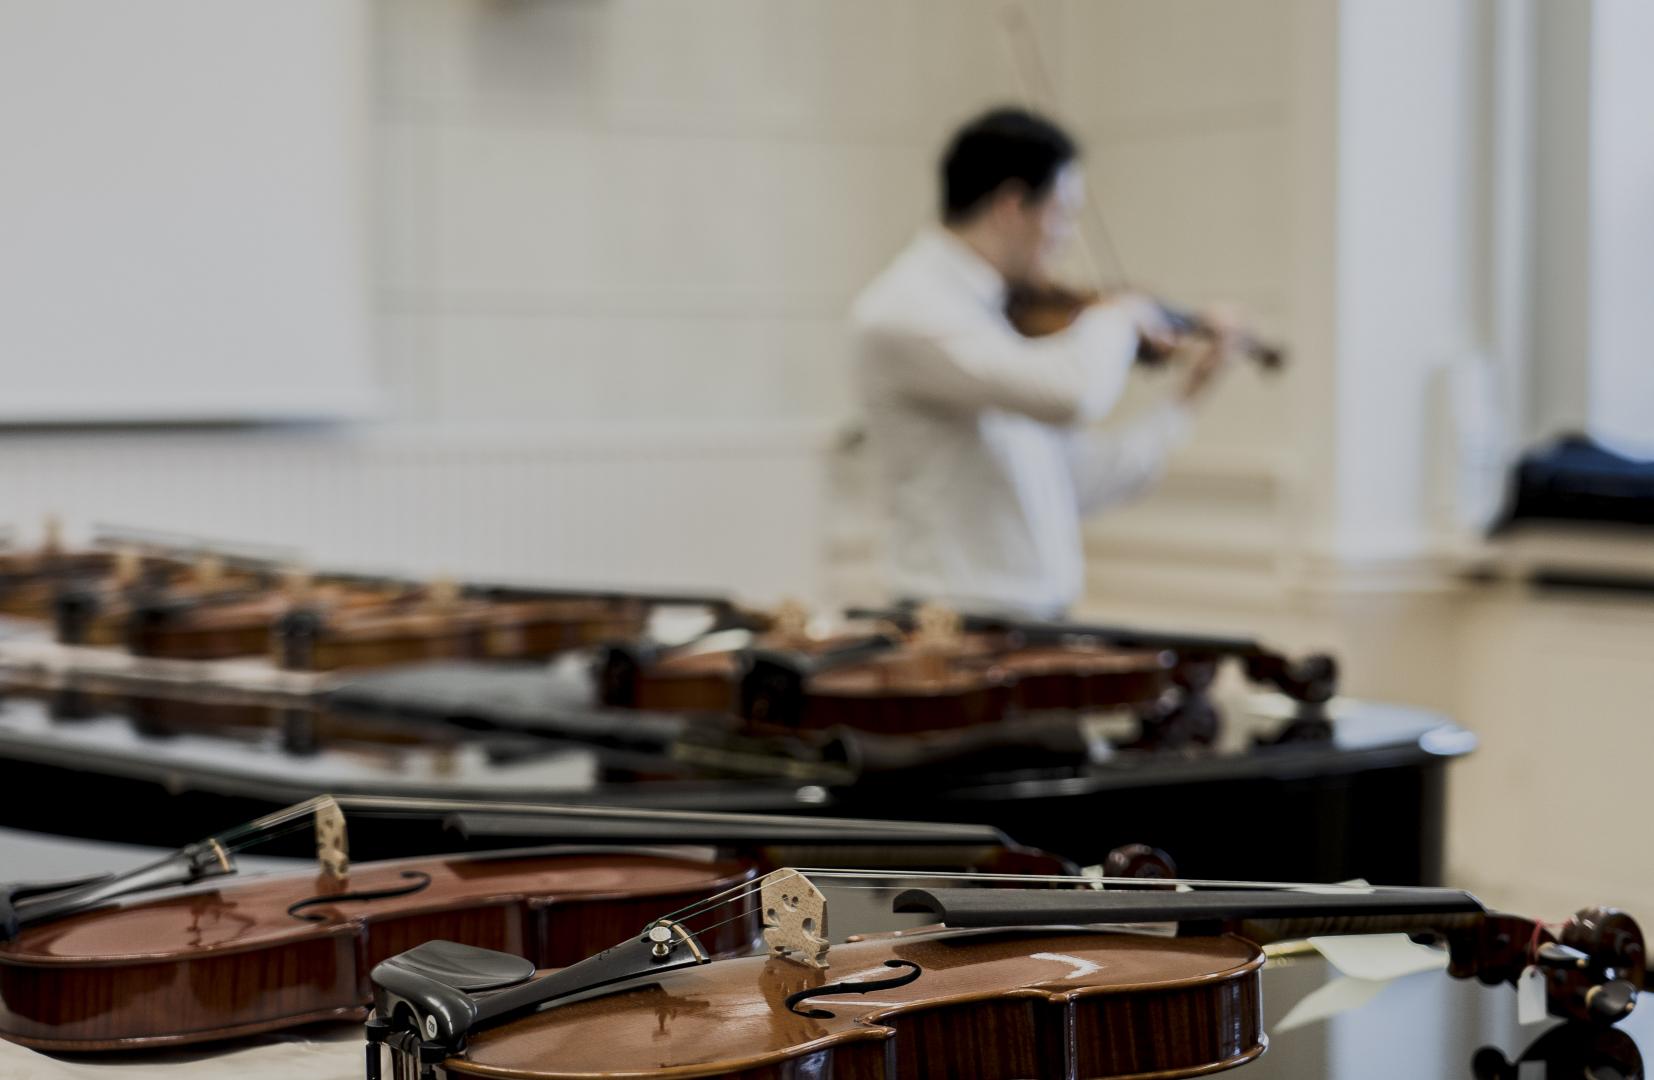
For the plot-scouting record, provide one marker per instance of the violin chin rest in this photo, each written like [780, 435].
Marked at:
[462, 967]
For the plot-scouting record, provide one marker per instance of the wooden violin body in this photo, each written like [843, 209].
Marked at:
[159, 955]
[241, 958]
[30, 583]
[1045, 309]
[986, 1005]
[982, 679]
[1010, 985]
[328, 637]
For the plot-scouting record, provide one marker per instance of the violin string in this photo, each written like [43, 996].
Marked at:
[717, 925]
[1072, 879]
[1032, 66]
[719, 899]
[241, 837]
[266, 836]
[736, 893]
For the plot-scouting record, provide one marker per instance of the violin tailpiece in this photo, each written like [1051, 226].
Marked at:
[332, 843]
[795, 918]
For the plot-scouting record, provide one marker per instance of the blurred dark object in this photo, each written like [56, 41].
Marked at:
[1366, 803]
[1576, 479]
[1571, 1050]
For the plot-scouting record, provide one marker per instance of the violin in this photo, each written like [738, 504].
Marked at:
[182, 627]
[1184, 716]
[182, 951]
[949, 673]
[107, 612]
[477, 621]
[31, 582]
[321, 639]
[1013, 981]
[1045, 309]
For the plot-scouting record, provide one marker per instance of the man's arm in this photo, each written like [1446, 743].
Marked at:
[1064, 378]
[1111, 467]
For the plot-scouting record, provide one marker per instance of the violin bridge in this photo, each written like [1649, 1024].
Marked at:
[795, 918]
[332, 843]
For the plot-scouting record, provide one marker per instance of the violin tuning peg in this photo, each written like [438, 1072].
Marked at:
[1610, 1002]
[1139, 861]
[1553, 955]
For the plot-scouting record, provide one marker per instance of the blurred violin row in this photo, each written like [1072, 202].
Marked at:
[193, 601]
[905, 672]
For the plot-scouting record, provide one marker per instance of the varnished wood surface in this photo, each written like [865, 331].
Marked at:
[501, 630]
[1067, 677]
[912, 691]
[994, 1004]
[209, 963]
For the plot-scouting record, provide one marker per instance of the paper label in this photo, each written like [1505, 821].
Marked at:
[1530, 997]
[1378, 956]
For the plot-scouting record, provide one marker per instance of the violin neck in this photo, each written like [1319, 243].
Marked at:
[1261, 915]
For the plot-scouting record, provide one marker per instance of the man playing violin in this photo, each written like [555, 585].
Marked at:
[982, 435]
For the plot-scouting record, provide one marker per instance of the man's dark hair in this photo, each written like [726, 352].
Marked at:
[1000, 146]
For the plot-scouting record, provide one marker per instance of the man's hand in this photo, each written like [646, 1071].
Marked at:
[1149, 318]
[1215, 353]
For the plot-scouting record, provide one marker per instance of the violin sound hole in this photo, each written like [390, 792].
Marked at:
[418, 878]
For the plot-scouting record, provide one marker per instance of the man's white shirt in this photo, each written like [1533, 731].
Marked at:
[979, 435]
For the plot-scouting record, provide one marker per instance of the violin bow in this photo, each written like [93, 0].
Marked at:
[1033, 79]
[25, 903]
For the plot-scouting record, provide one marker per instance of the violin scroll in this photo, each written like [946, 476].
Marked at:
[1139, 861]
[1311, 679]
[1593, 967]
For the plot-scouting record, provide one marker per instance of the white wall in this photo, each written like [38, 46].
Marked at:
[1621, 197]
[628, 209]
[181, 228]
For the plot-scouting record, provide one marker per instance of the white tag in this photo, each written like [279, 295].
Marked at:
[1530, 996]
[1379, 956]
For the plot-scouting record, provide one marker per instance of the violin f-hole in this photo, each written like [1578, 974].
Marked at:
[864, 986]
[419, 878]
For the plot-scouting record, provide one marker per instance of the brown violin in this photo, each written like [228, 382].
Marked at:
[1012, 982]
[940, 673]
[1174, 711]
[1044, 309]
[181, 951]
[475, 621]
